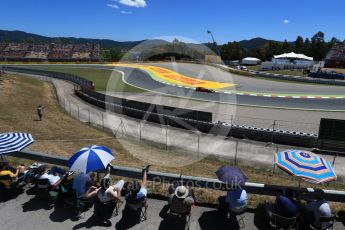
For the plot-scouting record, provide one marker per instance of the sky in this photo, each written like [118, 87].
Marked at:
[133, 20]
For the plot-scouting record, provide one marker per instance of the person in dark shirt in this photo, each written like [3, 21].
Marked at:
[286, 205]
[40, 109]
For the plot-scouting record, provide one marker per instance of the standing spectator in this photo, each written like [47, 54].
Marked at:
[40, 109]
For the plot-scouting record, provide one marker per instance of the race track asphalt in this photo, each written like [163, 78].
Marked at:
[141, 79]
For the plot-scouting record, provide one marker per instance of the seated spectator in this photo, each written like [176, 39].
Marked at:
[106, 192]
[55, 175]
[81, 183]
[181, 200]
[137, 191]
[286, 206]
[4, 160]
[318, 208]
[5, 171]
[237, 200]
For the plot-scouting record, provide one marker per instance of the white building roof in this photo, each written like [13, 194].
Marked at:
[293, 55]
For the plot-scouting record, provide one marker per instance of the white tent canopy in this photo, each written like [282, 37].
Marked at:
[293, 55]
[250, 59]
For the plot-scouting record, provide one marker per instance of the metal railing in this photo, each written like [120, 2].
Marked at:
[199, 182]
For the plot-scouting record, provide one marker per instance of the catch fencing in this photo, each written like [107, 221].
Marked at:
[193, 121]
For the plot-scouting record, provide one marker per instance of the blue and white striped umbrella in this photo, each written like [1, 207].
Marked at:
[13, 142]
[306, 165]
[90, 158]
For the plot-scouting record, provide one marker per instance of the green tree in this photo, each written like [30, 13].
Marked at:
[318, 46]
[286, 47]
[299, 45]
[307, 47]
[115, 54]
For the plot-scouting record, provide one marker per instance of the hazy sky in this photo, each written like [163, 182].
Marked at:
[142, 19]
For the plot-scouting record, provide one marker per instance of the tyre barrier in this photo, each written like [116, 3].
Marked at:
[123, 106]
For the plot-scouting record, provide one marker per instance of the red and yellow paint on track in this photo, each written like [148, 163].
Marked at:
[172, 77]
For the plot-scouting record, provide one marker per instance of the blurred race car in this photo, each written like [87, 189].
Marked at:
[239, 67]
[202, 89]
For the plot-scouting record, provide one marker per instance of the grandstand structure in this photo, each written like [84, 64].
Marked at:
[336, 56]
[49, 52]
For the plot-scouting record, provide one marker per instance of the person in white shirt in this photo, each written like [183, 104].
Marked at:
[54, 179]
[106, 192]
[319, 208]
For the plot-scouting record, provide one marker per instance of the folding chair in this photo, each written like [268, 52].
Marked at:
[106, 210]
[4, 191]
[326, 223]
[182, 216]
[281, 222]
[239, 217]
[44, 190]
[139, 206]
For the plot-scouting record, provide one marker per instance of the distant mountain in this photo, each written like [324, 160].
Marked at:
[20, 36]
[254, 43]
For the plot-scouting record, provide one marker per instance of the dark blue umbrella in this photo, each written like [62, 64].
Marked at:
[231, 175]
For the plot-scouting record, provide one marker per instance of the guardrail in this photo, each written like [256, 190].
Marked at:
[116, 105]
[199, 182]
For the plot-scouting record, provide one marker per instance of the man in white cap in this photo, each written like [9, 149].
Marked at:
[181, 200]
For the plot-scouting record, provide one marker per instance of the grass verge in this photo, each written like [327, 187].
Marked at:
[61, 134]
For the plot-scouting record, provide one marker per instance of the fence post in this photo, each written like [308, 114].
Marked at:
[89, 116]
[198, 142]
[78, 112]
[166, 137]
[140, 130]
[236, 152]
[64, 104]
[102, 120]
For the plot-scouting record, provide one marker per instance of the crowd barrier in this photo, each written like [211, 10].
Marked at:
[298, 79]
[198, 182]
[197, 121]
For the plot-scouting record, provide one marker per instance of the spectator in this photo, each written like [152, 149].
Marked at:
[137, 191]
[286, 206]
[81, 183]
[318, 208]
[40, 109]
[237, 200]
[4, 171]
[106, 192]
[4, 160]
[55, 175]
[181, 200]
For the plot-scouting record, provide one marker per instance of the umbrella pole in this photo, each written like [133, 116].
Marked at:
[299, 184]
[274, 168]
